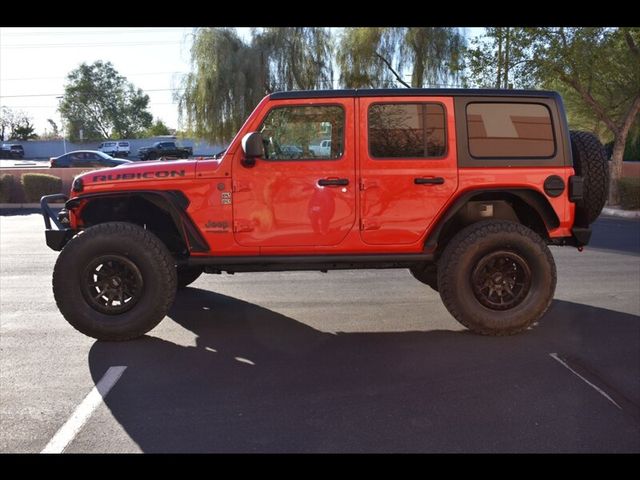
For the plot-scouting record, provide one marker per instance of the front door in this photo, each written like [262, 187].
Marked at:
[408, 166]
[298, 194]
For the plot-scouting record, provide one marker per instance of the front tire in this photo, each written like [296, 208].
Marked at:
[114, 281]
[497, 277]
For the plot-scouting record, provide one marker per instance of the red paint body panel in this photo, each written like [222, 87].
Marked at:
[394, 210]
[280, 204]
[278, 208]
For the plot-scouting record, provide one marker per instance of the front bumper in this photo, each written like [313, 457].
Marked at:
[58, 237]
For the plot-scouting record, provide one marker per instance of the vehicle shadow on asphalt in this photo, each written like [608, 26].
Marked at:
[258, 381]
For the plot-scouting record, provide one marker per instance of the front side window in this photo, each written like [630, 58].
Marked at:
[407, 130]
[300, 133]
[510, 130]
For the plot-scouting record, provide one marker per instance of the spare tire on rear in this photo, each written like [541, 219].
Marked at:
[590, 162]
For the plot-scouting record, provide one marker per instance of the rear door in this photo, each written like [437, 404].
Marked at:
[408, 166]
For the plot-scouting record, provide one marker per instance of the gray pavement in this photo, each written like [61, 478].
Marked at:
[354, 361]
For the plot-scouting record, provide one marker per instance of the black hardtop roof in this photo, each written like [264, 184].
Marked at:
[412, 92]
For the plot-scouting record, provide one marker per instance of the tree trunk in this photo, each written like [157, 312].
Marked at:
[615, 169]
[499, 79]
[621, 135]
[506, 61]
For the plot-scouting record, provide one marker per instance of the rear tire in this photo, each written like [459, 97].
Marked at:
[497, 277]
[590, 162]
[114, 281]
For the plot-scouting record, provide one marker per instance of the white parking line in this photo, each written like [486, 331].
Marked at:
[79, 417]
[597, 389]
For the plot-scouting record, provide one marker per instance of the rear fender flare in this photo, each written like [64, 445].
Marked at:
[531, 197]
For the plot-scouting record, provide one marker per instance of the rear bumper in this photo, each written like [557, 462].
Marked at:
[56, 237]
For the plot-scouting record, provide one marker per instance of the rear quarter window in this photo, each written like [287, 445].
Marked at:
[510, 130]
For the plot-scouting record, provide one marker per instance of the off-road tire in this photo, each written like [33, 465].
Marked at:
[187, 275]
[427, 274]
[465, 254]
[590, 162]
[133, 245]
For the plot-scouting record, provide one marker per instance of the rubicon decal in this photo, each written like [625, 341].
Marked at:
[134, 176]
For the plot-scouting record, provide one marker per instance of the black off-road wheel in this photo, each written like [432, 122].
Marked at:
[497, 277]
[590, 162]
[187, 275]
[114, 281]
[427, 274]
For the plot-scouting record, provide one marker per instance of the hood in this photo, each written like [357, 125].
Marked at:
[135, 172]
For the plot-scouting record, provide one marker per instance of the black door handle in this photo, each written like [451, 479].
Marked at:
[333, 182]
[428, 181]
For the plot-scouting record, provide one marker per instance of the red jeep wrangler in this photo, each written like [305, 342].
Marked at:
[466, 188]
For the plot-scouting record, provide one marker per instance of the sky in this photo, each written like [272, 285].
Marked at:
[34, 63]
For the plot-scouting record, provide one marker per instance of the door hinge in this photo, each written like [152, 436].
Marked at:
[240, 186]
[368, 224]
[365, 184]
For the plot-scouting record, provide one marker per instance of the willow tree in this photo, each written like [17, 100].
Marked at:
[377, 57]
[296, 58]
[226, 82]
[229, 76]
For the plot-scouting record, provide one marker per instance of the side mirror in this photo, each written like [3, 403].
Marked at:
[253, 148]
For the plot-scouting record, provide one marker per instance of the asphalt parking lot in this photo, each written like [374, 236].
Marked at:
[354, 361]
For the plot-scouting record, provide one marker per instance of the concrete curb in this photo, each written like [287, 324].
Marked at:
[616, 212]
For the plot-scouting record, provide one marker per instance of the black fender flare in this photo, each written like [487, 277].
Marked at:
[173, 202]
[531, 197]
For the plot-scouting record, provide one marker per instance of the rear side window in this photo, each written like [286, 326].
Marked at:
[407, 130]
[510, 130]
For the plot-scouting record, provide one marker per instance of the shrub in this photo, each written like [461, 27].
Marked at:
[36, 185]
[6, 187]
[629, 193]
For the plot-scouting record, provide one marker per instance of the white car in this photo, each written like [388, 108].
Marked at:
[323, 149]
[115, 148]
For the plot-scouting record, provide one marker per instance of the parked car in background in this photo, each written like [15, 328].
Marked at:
[124, 148]
[291, 151]
[110, 148]
[11, 150]
[86, 158]
[323, 149]
[164, 149]
[115, 148]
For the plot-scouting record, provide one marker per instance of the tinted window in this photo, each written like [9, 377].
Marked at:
[63, 161]
[406, 130]
[289, 133]
[499, 130]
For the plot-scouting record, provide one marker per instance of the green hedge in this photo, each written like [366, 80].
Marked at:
[6, 187]
[36, 185]
[629, 193]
